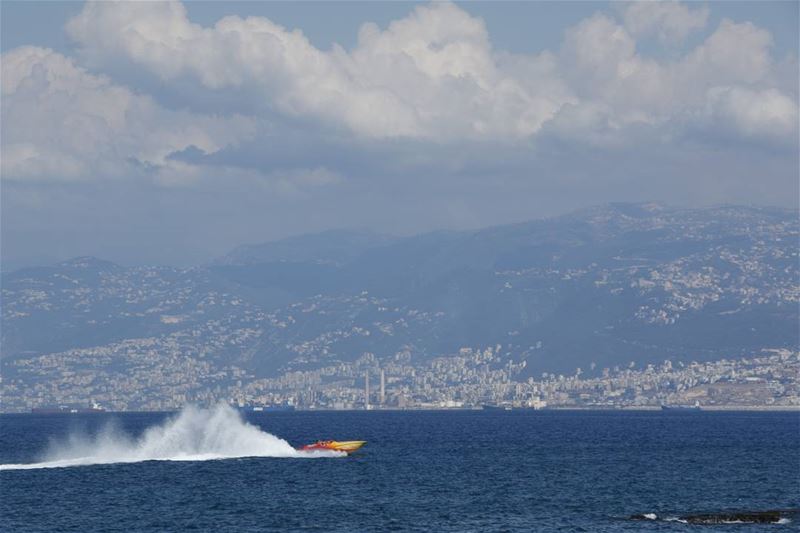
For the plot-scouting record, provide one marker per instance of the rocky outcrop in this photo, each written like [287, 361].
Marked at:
[727, 517]
[749, 517]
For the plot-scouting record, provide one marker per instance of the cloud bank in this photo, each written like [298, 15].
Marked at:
[432, 75]
[425, 106]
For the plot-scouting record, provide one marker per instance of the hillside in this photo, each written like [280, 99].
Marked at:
[595, 288]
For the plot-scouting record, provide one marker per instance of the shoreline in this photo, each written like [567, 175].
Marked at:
[645, 408]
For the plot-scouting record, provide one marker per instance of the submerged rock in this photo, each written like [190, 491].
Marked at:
[776, 516]
[750, 517]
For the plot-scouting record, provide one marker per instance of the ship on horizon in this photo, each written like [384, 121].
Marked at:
[678, 407]
[495, 407]
[257, 408]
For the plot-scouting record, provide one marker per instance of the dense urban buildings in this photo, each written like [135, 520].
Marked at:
[473, 378]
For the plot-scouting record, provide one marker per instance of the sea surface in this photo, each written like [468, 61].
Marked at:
[483, 471]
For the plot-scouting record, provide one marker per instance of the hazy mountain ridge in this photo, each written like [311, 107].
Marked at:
[332, 247]
[604, 285]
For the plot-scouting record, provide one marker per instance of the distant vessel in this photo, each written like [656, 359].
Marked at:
[491, 407]
[249, 408]
[94, 408]
[269, 408]
[695, 407]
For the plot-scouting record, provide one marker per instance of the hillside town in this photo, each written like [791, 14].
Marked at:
[657, 305]
[470, 379]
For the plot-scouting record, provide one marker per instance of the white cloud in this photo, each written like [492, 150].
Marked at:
[619, 87]
[432, 74]
[758, 114]
[670, 21]
[61, 122]
[734, 53]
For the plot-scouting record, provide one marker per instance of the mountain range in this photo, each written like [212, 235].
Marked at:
[596, 288]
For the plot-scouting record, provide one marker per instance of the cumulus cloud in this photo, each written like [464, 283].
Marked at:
[432, 74]
[759, 114]
[670, 21]
[64, 123]
[618, 87]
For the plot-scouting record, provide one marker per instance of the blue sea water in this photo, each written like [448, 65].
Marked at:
[420, 471]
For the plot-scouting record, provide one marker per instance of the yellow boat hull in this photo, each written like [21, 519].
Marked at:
[347, 446]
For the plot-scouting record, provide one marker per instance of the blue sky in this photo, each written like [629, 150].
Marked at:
[171, 133]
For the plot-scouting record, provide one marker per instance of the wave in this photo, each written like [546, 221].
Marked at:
[194, 434]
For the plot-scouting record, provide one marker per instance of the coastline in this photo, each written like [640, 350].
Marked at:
[643, 408]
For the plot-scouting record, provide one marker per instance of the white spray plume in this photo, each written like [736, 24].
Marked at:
[195, 434]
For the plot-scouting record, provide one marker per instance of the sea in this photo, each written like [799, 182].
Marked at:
[215, 469]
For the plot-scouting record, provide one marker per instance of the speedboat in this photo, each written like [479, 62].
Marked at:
[347, 446]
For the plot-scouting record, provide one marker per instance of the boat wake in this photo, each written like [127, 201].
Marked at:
[194, 434]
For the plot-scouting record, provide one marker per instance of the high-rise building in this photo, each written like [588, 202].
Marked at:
[366, 389]
[383, 387]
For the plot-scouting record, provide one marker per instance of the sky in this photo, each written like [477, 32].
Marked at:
[170, 133]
